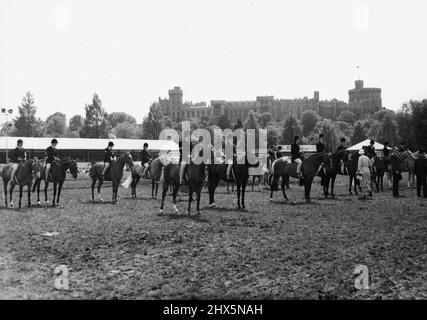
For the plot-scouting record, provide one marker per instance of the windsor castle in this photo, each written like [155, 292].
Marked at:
[362, 101]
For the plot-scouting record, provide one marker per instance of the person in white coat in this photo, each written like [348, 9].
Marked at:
[364, 167]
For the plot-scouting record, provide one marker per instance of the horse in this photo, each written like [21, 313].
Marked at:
[114, 174]
[380, 165]
[195, 177]
[409, 166]
[260, 173]
[239, 175]
[284, 168]
[26, 172]
[154, 171]
[331, 172]
[351, 163]
[57, 176]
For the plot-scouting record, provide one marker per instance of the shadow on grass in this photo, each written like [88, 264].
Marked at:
[96, 202]
[224, 209]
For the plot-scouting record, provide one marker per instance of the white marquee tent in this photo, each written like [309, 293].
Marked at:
[378, 146]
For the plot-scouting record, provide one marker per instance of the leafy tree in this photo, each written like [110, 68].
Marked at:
[223, 122]
[359, 133]
[327, 127]
[380, 115]
[264, 119]
[76, 123]
[345, 128]
[238, 125]
[405, 125]
[120, 117]
[251, 121]
[419, 117]
[309, 119]
[124, 130]
[347, 116]
[152, 123]
[375, 129]
[26, 124]
[291, 128]
[56, 124]
[273, 134]
[388, 131]
[71, 134]
[96, 123]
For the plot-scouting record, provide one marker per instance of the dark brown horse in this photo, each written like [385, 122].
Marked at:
[114, 174]
[284, 168]
[331, 170]
[194, 176]
[239, 175]
[154, 172]
[26, 172]
[380, 166]
[57, 176]
[351, 163]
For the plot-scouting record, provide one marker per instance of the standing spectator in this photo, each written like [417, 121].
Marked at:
[421, 173]
[364, 166]
[396, 169]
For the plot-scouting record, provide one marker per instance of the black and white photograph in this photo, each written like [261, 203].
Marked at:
[228, 150]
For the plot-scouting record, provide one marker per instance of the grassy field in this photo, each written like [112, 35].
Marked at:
[272, 250]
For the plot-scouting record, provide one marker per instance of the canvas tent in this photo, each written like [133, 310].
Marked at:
[378, 146]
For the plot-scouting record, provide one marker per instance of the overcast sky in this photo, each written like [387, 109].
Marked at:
[131, 52]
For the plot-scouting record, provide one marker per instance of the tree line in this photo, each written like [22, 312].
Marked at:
[408, 124]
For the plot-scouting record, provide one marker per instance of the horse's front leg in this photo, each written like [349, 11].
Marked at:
[198, 200]
[333, 186]
[164, 191]
[190, 197]
[38, 190]
[307, 188]
[12, 186]
[211, 190]
[114, 191]
[92, 187]
[5, 192]
[29, 195]
[20, 195]
[59, 191]
[243, 193]
[55, 185]
[174, 194]
[99, 188]
[238, 185]
[46, 185]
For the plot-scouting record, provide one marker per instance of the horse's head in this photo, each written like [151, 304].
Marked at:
[74, 169]
[35, 165]
[128, 159]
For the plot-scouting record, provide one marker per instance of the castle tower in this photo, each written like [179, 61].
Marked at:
[175, 102]
[364, 101]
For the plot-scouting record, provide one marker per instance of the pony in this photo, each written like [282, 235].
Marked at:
[154, 172]
[26, 172]
[380, 165]
[409, 158]
[239, 175]
[57, 176]
[195, 177]
[284, 168]
[351, 162]
[331, 172]
[114, 174]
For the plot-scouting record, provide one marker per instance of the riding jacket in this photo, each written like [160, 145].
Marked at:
[145, 156]
[108, 155]
[320, 147]
[51, 154]
[386, 152]
[18, 155]
[295, 151]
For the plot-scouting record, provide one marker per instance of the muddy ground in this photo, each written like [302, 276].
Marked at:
[271, 250]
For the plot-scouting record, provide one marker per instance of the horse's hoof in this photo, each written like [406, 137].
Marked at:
[39, 203]
[47, 202]
[212, 205]
[271, 200]
[161, 211]
[199, 213]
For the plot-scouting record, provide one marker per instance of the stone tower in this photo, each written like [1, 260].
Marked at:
[364, 101]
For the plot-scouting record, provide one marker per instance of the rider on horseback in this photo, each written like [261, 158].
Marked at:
[386, 151]
[370, 153]
[108, 157]
[19, 155]
[145, 159]
[341, 147]
[51, 156]
[296, 156]
[321, 147]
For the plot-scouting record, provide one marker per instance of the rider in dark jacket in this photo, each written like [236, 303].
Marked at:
[108, 157]
[295, 155]
[145, 158]
[19, 155]
[51, 156]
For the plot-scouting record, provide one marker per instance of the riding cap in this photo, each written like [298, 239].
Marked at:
[19, 141]
[54, 141]
[296, 137]
[111, 144]
[145, 144]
